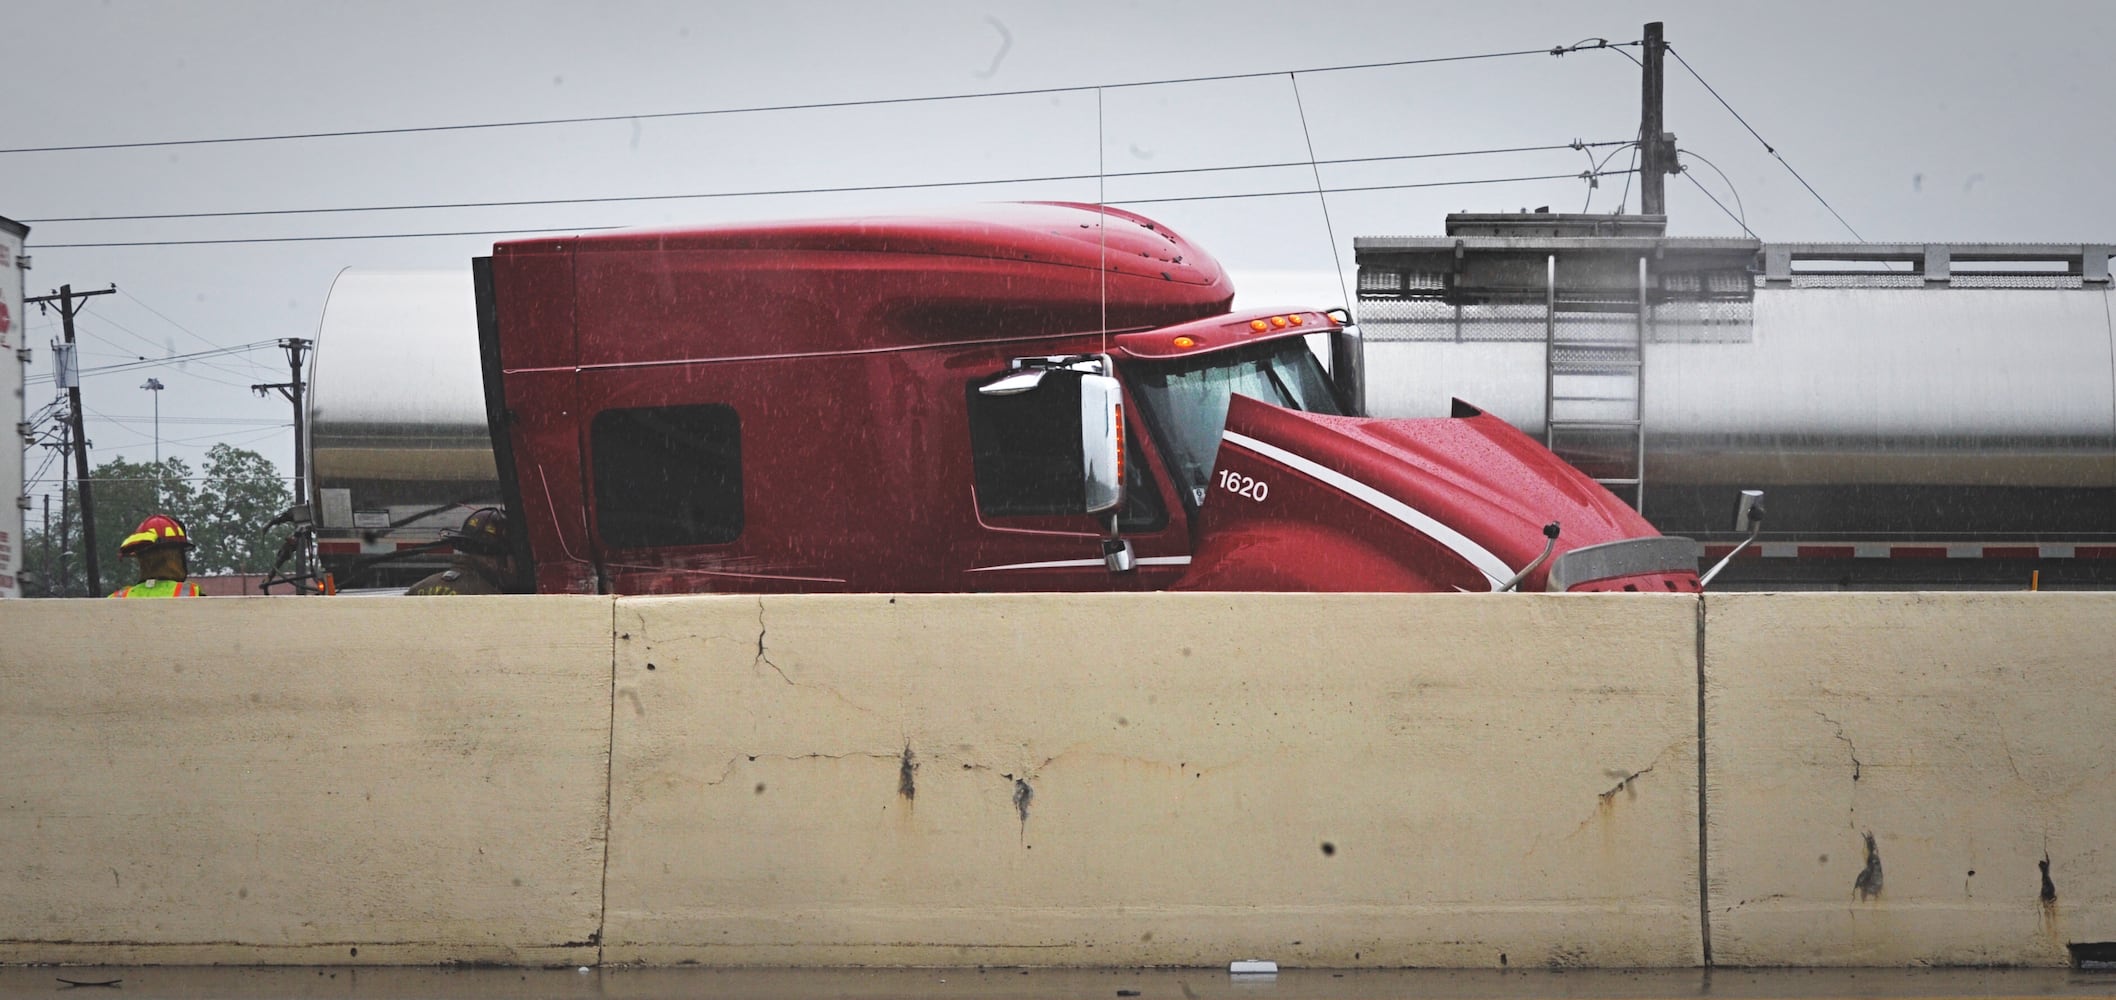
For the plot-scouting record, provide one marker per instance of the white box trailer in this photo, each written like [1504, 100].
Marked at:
[13, 358]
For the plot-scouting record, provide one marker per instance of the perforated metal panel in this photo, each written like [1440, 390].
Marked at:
[1387, 319]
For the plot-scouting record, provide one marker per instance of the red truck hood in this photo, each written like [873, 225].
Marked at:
[1348, 503]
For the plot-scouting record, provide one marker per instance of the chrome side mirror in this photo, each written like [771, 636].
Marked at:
[1748, 516]
[1101, 441]
[1749, 509]
[1348, 366]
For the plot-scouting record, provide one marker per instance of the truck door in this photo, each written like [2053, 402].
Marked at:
[1029, 538]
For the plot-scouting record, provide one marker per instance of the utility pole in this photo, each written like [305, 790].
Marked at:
[293, 389]
[67, 299]
[47, 545]
[1656, 148]
[65, 516]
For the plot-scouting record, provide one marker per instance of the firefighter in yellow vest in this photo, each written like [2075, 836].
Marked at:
[159, 545]
[483, 563]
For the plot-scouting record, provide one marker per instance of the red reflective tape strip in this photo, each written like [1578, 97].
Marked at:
[2012, 552]
[401, 546]
[338, 548]
[2094, 552]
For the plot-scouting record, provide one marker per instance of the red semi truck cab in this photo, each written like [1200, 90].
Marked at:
[1023, 397]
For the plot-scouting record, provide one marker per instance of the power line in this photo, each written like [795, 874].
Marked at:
[150, 479]
[142, 338]
[1767, 147]
[227, 421]
[1560, 50]
[1597, 171]
[195, 335]
[157, 362]
[321, 239]
[1737, 221]
[1743, 219]
[1370, 187]
[590, 229]
[771, 192]
[217, 438]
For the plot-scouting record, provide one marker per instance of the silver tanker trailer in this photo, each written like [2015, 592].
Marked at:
[1920, 414]
[397, 444]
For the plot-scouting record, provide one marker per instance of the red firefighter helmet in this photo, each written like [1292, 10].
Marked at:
[157, 531]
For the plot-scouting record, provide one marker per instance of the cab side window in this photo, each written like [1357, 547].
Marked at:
[667, 475]
[1026, 454]
[1026, 451]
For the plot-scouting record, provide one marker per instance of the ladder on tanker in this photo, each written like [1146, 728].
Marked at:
[1594, 376]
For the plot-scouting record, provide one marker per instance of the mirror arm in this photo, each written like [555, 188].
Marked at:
[1755, 528]
[1550, 542]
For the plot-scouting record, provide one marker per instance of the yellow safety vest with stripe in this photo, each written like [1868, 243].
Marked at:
[158, 588]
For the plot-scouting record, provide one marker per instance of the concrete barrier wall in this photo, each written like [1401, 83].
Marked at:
[1973, 736]
[264, 780]
[1170, 779]
[1046, 780]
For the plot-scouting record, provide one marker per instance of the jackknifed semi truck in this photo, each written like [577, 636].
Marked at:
[1013, 397]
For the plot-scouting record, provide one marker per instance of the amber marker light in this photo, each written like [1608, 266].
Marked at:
[1118, 419]
[1278, 321]
[1296, 319]
[1259, 325]
[1186, 342]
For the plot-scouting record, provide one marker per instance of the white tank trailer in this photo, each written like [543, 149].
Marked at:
[397, 439]
[1918, 416]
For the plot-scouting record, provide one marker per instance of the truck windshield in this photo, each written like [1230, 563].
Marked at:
[1186, 401]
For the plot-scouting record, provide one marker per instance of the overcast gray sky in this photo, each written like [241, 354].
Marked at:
[1917, 121]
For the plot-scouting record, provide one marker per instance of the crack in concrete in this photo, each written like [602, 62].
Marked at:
[761, 655]
[1610, 795]
[728, 770]
[1856, 767]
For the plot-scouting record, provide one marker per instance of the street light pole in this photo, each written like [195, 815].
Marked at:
[155, 385]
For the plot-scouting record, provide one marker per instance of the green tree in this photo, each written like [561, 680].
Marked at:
[242, 490]
[225, 510]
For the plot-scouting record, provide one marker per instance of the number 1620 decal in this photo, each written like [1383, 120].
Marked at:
[1244, 486]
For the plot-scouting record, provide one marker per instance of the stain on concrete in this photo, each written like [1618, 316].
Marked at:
[1868, 884]
[1568, 957]
[2047, 901]
[905, 785]
[1023, 794]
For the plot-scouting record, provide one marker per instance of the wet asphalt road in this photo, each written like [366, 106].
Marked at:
[134, 983]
